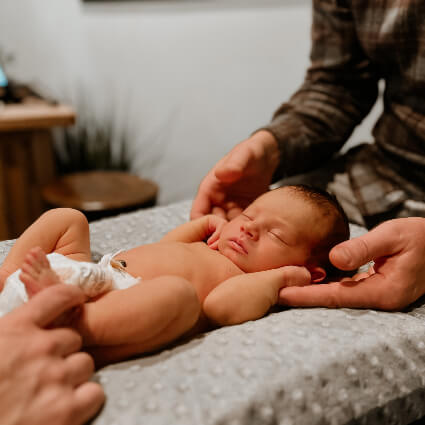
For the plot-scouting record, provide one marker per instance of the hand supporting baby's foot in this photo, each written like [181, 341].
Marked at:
[36, 272]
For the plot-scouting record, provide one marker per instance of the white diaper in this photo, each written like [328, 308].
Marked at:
[94, 279]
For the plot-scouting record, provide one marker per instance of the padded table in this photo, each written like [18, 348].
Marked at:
[293, 367]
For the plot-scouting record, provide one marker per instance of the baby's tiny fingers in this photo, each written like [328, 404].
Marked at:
[212, 241]
[214, 245]
[213, 238]
[296, 276]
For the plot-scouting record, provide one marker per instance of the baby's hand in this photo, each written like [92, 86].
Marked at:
[215, 226]
[293, 276]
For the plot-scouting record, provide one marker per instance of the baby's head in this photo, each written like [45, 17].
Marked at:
[292, 225]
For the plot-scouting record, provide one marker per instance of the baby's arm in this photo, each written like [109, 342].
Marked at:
[250, 296]
[197, 230]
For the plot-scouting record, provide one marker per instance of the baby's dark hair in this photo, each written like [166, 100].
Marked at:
[339, 227]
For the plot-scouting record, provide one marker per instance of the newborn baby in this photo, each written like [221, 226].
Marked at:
[182, 284]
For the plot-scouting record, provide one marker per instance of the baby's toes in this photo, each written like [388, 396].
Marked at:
[30, 283]
[41, 257]
[30, 270]
[30, 261]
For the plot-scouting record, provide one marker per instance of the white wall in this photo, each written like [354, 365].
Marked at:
[189, 78]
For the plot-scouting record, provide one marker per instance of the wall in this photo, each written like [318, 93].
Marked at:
[189, 79]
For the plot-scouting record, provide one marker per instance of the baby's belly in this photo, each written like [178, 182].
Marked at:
[197, 263]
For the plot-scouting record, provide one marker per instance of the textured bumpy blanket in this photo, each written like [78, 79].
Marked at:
[295, 366]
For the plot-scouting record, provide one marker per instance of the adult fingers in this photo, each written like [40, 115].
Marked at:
[88, 399]
[67, 319]
[233, 212]
[360, 276]
[201, 206]
[49, 304]
[80, 367]
[62, 342]
[219, 212]
[382, 241]
[356, 277]
[233, 165]
[367, 293]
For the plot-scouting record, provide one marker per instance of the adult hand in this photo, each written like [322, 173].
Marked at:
[238, 178]
[397, 279]
[43, 379]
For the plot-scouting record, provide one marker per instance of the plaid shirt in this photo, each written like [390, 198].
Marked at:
[356, 43]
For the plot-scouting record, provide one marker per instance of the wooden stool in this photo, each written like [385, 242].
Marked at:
[100, 194]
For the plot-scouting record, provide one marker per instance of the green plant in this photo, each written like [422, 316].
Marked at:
[91, 145]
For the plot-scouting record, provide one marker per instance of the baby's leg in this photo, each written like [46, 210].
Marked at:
[36, 272]
[139, 319]
[61, 230]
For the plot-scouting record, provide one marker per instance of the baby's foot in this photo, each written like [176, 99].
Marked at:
[36, 272]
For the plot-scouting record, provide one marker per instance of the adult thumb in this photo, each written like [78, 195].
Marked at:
[382, 241]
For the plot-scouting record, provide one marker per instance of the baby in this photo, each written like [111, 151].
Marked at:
[181, 285]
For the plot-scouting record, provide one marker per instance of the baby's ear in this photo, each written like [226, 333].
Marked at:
[318, 274]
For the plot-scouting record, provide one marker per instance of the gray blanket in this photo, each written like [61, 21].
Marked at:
[295, 366]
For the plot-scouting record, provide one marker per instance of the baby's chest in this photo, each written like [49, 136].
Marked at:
[195, 262]
[209, 269]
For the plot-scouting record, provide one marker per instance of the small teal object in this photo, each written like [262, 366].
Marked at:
[3, 78]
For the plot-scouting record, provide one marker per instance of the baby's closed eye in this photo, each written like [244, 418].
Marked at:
[277, 234]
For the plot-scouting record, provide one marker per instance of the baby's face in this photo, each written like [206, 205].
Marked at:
[277, 229]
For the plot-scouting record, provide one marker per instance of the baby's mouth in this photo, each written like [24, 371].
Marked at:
[238, 246]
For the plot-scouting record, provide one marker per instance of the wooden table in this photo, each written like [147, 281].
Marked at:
[26, 161]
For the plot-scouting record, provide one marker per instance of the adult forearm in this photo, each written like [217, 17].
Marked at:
[340, 88]
[315, 124]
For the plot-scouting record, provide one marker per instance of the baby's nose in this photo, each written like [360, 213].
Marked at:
[250, 230]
